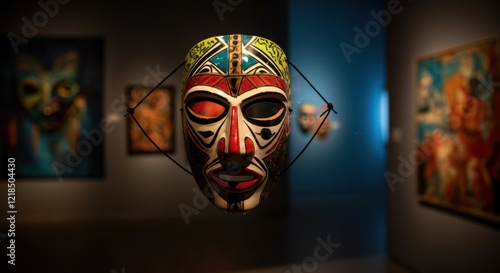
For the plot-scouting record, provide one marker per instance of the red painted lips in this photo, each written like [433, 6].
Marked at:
[241, 181]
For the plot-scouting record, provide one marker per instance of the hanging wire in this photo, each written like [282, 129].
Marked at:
[130, 111]
[165, 153]
[330, 106]
[327, 112]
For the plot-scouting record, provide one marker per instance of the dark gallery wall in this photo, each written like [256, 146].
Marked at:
[424, 238]
[139, 38]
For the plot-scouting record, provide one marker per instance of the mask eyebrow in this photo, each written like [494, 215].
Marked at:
[217, 81]
[205, 95]
[253, 81]
[263, 96]
[248, 82]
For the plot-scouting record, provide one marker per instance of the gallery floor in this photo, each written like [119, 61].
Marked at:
[251, 243]
[352, 265]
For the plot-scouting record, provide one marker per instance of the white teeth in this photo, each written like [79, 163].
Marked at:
[235, 178]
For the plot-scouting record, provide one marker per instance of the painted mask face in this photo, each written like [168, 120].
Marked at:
[236, 118]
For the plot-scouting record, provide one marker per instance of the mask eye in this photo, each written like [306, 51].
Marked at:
[206, 110]
[264, 112]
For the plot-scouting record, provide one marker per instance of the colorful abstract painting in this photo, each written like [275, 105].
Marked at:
[51, 107]
[458, 126]
[156, 117]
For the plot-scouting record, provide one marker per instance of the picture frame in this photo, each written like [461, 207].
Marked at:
[155, 115]
[51, 107]
[458, 130]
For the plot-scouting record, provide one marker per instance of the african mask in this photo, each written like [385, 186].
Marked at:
[236, 118]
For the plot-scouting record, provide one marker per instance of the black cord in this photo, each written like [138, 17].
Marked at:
[177, 163]
[130, 111]
[308, 142]
[327, 112]
[314, 88]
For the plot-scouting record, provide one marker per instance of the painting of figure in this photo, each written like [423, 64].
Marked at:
[458, 126]
[51, 107]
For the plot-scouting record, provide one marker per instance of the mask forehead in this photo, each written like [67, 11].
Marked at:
[235, 56]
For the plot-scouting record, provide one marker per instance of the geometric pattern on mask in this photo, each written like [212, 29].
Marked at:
[246, 83]
[236, 55]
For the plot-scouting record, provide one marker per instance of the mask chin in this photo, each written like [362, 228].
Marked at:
[238, 203]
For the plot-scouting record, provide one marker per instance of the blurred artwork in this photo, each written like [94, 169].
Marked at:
[51, 107]
[156, 118]
[307, 117]
[310, 120]
[458, 125]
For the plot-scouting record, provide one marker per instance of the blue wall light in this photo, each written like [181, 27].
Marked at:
[384, 115]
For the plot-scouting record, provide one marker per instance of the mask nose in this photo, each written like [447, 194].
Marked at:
[234, 147]
[234, 137]
[237, 157]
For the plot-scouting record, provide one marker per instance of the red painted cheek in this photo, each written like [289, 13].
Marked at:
[221, 146]
[249, 146]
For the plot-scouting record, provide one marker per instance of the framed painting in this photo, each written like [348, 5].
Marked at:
[156, 117]
[51, 107]
[458, 127]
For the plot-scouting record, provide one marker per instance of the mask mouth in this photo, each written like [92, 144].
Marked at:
[243, 180]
